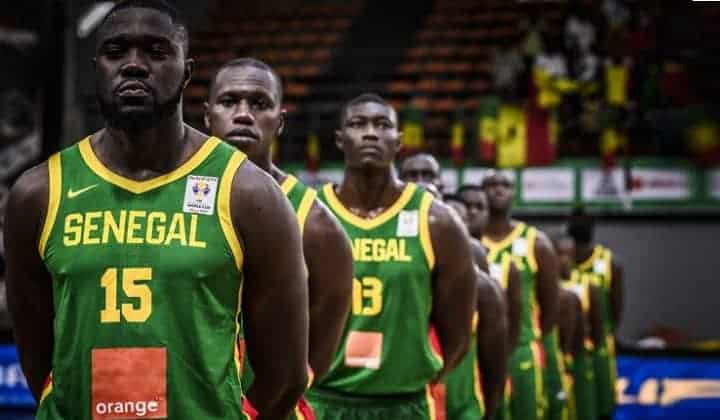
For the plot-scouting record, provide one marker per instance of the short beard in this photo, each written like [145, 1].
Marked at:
[139, 121]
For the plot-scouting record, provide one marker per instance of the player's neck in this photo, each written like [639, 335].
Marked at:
[368, 190]
[499, 225]
[263, 162]
[583, 252]
[157, 150]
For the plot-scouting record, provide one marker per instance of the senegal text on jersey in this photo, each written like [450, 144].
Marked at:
[131, 227]
[379, 250]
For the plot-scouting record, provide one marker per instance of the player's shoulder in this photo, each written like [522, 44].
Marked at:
[321, 224]
[32, 184]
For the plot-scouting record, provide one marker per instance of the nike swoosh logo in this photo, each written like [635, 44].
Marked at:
[73, 194]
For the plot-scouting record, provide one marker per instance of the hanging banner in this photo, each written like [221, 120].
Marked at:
[656, 184]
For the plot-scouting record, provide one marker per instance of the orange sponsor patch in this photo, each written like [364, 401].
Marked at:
[363, 349]
[129, 383]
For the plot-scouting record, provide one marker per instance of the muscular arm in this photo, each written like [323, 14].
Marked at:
[275, 301]
[29, 285]
[492, 340]
[616, 294]
[570, 323]
[597, 335]
[454, 284]
[330, 265]
[514, 307]
[479, 255]
[546, 287]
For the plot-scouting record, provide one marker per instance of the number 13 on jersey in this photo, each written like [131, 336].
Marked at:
[367, 296]
[128, 311]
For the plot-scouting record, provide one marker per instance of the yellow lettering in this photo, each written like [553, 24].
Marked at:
[366, 249]
[118, 229]
[391, 251]
[90, 227]
[404, 257]
[177, 230]
[193, 233]
[134, 226]
[73, 229]
[160, 218]
[378, 250]
[355, 244]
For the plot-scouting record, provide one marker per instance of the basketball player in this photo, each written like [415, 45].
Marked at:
[606, 273]
[474, 388]
[244, 108]
[129, 252]
[405, 280]
[580, 325]
[534, 258]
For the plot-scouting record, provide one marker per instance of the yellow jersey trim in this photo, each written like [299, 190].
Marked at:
[54, 194]
[305, 206]
[505, 270]
[363, 223]
[139, 187]
[585, 265]
[238, 361]
[224, 214]
[495, 246]
[47, 389]
[608, 267]
[479, 396]
[430, 403]
[531, 239]
[425, 239]
[288, 184]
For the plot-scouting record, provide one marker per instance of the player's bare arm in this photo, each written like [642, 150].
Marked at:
[570, 325]
[492, 340]
[616, 293]
[454, 284]
[29, 285]
[275, 302]
[597, 333]
[546, 287]
[514, 307]
[330, 265]
[479, 255]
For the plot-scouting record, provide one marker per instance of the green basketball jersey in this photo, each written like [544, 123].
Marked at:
[520, 244]
[146, 287]
[385, 348]
[599, 268]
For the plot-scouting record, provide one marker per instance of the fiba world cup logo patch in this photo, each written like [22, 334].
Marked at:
[200, 193]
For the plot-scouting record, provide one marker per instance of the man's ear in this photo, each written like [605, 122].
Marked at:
[281, 125]
[206, 116]
[339, 140]
[189, 68]
[398, 143]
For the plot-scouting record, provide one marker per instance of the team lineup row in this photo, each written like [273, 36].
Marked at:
[155, 271]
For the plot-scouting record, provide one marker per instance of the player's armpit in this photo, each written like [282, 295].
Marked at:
[454, 284]
[547, 284]
[29, 285]
[274, 300]
[330, 265]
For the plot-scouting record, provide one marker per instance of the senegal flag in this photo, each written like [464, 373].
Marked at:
[412, 129]
[457, 139]
[517, 135]
[313, 152]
